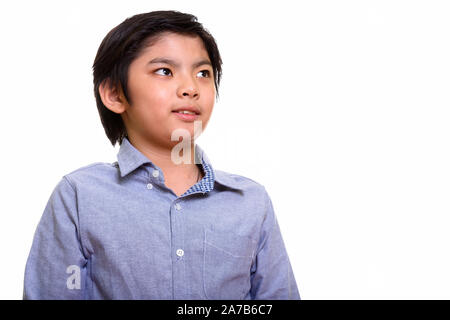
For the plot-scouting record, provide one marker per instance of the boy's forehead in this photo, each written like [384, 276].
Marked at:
[171, 41]
[174, 47]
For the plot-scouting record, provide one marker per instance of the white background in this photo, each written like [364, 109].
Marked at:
[340, 108]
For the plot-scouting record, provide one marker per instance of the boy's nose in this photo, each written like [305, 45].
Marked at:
[189, 91]
[187, 86]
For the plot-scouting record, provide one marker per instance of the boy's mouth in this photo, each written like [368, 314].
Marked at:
[188, 113]
[188, 110]
[185, 112]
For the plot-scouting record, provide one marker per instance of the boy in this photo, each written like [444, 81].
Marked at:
[153, 225]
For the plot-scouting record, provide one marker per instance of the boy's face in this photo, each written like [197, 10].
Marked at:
[156, 89]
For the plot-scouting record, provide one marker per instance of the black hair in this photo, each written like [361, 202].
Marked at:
[125, 42]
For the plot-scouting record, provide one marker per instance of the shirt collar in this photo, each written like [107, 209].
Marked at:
[129, 159]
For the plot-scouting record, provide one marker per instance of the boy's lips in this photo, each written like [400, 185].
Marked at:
[186, 117]
[193, 109]
[187, 113]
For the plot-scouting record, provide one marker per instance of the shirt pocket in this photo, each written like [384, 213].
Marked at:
[227, 260]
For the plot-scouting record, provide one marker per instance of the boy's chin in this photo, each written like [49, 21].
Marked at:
[183, 135]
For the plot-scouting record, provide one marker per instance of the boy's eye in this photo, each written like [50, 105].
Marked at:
[207, 72]
[164, 69]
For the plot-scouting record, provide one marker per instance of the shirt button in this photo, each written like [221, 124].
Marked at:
[149, 186]
[155, 173]
[180, 252]
[177, 206]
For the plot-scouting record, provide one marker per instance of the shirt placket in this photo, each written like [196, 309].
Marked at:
[178, 250]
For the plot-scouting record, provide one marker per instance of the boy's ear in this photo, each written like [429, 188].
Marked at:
[111, 97]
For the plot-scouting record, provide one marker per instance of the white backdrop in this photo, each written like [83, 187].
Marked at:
[340, 108]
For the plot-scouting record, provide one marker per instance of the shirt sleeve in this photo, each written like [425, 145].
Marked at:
[272, 277]
[56, 266]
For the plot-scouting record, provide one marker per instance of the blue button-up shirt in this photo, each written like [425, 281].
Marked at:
[115, 231]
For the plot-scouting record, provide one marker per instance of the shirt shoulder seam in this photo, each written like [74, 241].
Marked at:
[89, 166]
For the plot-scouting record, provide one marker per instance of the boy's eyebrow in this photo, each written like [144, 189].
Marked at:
[175, 64]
